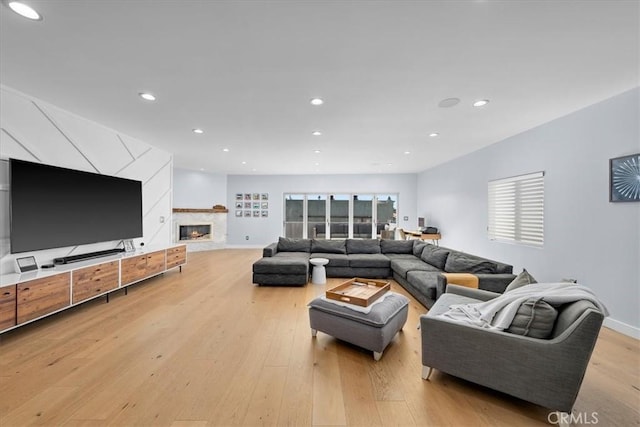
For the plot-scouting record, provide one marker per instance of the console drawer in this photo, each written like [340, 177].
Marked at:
[176, 256]
[94, 280]
[38, 297]
[7, 307]
[155, 262]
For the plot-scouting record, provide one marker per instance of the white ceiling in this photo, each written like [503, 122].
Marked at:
[244, 71]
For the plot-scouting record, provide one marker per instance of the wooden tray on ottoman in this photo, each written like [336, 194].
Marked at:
[359, 291]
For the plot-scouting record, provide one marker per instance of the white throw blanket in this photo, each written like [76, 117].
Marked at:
[499, 312]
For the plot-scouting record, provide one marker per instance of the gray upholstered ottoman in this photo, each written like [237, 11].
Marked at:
[282, 270]
[373, 330]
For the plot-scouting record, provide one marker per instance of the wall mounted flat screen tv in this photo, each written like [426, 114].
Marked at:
[53, 207]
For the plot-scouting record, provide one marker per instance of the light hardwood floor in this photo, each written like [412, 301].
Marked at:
[207, 347]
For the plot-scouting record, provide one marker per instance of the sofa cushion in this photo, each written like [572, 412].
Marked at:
[402, 266]
[378, 316]
[281, 265]
[368, 260]
[400, 256]
[301, 255]
[418, 246]
[287, 244]
[335, 260]
[328, 246]
[424, 281]
[431, 254]
[363, 246]
[535, 318]
[447, 300]
[521, 280]
[459, 262]
[396, 246]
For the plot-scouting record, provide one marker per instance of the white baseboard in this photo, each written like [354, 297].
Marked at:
[622, 327]
[244, 246]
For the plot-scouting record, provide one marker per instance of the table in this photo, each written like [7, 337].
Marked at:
[319, 274]
[422, 236]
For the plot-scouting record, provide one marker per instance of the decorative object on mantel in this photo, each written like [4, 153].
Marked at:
[252, 205]
[624, 178]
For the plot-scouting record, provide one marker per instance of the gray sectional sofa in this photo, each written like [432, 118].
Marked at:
[414, 264]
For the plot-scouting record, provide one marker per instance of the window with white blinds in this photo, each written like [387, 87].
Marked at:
[516, 209]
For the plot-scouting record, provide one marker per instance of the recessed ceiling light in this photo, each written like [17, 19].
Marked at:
[316, 101]
[147, 96]
[24, 10]
[316, 133]
[481, 103]
[244, 163]
[226, 150]
[433, 134]
[201, 169]
[317, 164]
[449, 102]
[253, 170]
[407, 152]
[389, 164]
[316, 151]
[198, 130]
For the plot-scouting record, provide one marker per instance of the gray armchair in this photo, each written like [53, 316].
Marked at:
[547, 372]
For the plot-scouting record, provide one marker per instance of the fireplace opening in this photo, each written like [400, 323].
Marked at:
[190, 232]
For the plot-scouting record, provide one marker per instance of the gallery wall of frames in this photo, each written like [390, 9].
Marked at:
[252, 205]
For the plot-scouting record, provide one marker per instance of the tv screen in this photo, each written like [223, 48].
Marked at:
[53, 207]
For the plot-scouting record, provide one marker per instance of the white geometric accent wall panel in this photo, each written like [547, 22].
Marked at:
[37, 131]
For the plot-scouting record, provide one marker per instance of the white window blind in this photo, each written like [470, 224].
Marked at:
[516, 209]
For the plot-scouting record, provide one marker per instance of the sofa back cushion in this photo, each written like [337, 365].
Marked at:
[363, 246]
[287, 244]
[418, 247]
[396, 246]
[328, 246]
[431, 254]
[535, 319]
[459, 262]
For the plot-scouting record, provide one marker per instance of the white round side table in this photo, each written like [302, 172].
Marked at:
[319, 274]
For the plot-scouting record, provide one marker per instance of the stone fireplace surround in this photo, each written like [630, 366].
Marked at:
[215, 217]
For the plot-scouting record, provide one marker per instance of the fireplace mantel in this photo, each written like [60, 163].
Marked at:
[187, 210]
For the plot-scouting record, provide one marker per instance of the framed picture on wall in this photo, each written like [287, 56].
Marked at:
[239, 205]
[264, 205]
[264, 196]
[256, 205]
[247, 205]
[247, 214]
[256, 196]
[238, 212]
[265, 214]
[624, 179]
[238, 196]
[247, 196]
[256, 214]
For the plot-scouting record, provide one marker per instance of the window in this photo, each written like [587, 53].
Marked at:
[338, 216]
[516, 209]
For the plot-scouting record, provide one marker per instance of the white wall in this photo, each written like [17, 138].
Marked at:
[199, 190]
[262, 231]
[586, 237]
[37, 131]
